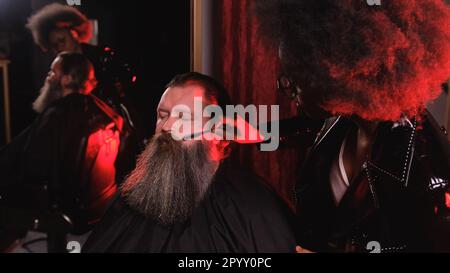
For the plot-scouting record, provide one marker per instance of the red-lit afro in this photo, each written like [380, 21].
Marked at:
[351, 58]
[60, 16]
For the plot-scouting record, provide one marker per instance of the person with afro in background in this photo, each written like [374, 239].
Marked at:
[60, 28]
[377, 177]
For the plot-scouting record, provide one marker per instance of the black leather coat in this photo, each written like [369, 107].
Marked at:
[397, 203]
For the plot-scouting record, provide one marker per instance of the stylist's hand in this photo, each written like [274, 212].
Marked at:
[302, 250]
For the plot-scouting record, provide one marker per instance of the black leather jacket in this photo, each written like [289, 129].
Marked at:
[396, 204]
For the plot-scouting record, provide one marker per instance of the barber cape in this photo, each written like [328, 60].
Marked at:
[239, 214]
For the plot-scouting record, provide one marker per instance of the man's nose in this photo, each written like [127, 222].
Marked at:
[168, 124]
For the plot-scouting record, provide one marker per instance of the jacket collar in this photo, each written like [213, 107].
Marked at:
[394, 147]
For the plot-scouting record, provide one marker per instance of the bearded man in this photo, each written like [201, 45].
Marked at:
[60, 28]
[187, 195]
[65, 162]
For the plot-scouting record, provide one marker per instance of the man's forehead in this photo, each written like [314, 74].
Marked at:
[185, 94]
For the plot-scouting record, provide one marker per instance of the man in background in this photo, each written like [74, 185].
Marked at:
[65, 162]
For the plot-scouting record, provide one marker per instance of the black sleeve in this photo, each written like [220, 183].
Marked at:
[42, 146]
[436, 160]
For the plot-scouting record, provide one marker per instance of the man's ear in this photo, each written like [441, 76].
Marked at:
[243, 131]
[224, 144]
[223, 147]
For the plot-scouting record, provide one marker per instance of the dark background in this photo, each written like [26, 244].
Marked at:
[154, 37]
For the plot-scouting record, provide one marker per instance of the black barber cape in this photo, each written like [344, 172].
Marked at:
[240, 214]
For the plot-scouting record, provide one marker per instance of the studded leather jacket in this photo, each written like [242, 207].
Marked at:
[399, 201]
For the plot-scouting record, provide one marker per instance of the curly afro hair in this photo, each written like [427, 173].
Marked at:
[58, 16]
[350, 58]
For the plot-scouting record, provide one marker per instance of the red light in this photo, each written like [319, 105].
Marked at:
[134, 79]
[101, 153]
[447, 200]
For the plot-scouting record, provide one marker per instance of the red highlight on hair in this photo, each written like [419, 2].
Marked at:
[407, 60]
[349, 58]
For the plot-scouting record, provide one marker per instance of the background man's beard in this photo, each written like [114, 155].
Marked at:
[170, 179]
[49, 93]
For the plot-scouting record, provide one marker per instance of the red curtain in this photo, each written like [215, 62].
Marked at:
[249, 71]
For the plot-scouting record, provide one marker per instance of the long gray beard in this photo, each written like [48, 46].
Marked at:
[48, 94]
[170, 180]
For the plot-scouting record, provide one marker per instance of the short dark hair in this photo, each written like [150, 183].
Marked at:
[78, 67]
[214, 90]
